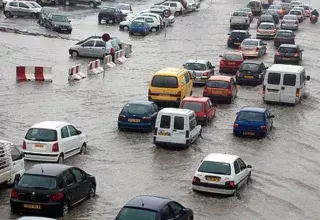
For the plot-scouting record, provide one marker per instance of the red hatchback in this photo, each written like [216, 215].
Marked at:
[231, 62]
[202, 107]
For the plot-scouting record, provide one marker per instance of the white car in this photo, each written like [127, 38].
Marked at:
[176, 8]
[152, 22]
[53, 141]
[221, 174]
[125, 8]
[154, 15]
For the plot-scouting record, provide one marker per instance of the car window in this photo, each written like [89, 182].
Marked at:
[37, 182]
[242, 164]
[72, 130]
[303, 77]
[253, 67]
[192, 122]
[155, 107]
[68, 178]
[178, 123]
[209, 104]
[40, 134]
[238, 34]
[250, 116]
[195, 106]
[89, 43]
[233, 57]
[266, 26]
[195, 66]
[15, 153]
[284, 34]
[166, 4]
[240, 14]
[133, 213]
[22, 5]
[136, 109]
[165, 121]
[149, 20]
[78, 175]
[217, 84]
[100, 43]
[236, 167]
[289, 80]
[13, 4]
[165, 82]
[250, 43]
[176, 208]
[166, 213]
[64, 132]
[288, 50]
[215, 168]
[106, 9]
[173, 5]
[183, 81]
[274, 78]
[60, 18]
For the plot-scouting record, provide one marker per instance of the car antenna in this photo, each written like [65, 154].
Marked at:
[142, 204]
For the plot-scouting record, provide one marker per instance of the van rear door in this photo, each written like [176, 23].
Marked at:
[164, 131]
[272, 87]
[289, 88]
[179, 129]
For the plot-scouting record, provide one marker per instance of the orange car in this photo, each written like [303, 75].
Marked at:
[220, 88]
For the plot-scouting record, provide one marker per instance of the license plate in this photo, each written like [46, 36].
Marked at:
[133, 120]
[248, 77]
[164, 95]
[217, 92]
[231, 63]
[249, 133]
[31, 206]
[285, 58]
[163, 133]
[63, 29]
[213, 178]
[236, 43]
[198, 78]
[39, 145]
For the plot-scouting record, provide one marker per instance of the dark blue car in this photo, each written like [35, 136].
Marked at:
[154, 208]
[140, 27]
[251, 121]
[138, 115]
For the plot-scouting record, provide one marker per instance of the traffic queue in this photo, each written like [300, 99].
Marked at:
[175, 117]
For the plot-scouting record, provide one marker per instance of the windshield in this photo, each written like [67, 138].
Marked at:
[284, 34]
[196, 66]
[240, 13]
[250, 43]
[218, 84]
[295, 12]
[245, 9]
[287, 50]
[124, 7]
[136, 214]
[60, 18]
[37, 182]
[250, 116]
[266, 18]
[238, 34]
[266, 26]
[136, 109]
[40, 134]
[253, 67]
[195, 106]
[165, 82]
[272, 12]
[233, 57]
[215, 168]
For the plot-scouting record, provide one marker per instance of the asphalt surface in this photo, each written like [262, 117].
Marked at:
[285, 179]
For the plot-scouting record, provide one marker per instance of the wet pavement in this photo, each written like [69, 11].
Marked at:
[286, 170]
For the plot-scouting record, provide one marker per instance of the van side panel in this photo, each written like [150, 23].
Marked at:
[179, 129]
[272, 87]
[5, 164]
[164, 133]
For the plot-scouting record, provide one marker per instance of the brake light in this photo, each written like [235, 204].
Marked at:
[121, 117]
[264, 90]
[147, 118]
[229, 91]
[235, 125]
[14, 194]
[297, 92]
[195, 180]
[112, 50]
[179, 94]
[231, 184]
[258, 30]
[222, 62]
[229, 38]
[24, 145]
[57, 197]
[205, 74]
[274, 31]
[55, 147]
[257, 49]
[296, 55]
[262, 128]
[155, 131]
[278, 54]
[187, 133]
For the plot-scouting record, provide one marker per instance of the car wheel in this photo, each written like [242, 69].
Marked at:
[191, 218]
[83, 148]
[33, 15]
[92, 192]
[91, 5]
[74, 54]
[60, 159]
[130, 33]
[154, 29]
[126, 28]
[67, 3]
[64, 209]
[8, 14]
[176, 13]
[236, 193]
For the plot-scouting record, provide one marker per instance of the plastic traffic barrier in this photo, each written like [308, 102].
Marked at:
[108, 62]
[33, 73]
[75, 73]
[127, 49]
[122, 55]
[117, 57]
[94, 68]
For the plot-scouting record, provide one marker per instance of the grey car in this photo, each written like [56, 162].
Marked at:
[92, 47]
[290, 22]
[45, 11]
[20, 9]
[203, 69]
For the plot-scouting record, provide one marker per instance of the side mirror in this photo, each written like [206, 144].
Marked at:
[271, 116]
[249, 166]
[250, 35]
[228, 34]
[79, 132]
[301, 50]
[69, 21]
[184, 65]
[184, 211]
[267, 68]
[308, 78]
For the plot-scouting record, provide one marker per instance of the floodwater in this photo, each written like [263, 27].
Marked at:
[285, 179]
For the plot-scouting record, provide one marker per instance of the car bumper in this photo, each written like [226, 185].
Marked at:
[213, 190]
[233, 44]
[245, 132]
[201, 120]
[45, 208]
[166, 103]
[157, 140]
[248, 80]
[286, 59]
[41, 156]
[216, 98]
[266, 36]
[239, 25]
[138, 126]
[290, 26]
[228, 69]
[200, 80]
[250, 53]
[58, 29]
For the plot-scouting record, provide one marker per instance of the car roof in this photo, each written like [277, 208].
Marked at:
[289, 45]
[144, 102]
[285, 68]
[176, 111]
[220, 78]
[251, 39]
[267, 23]
[195, 99]
[148, 202]
[47, 169]
[50, 124]
[197, 61]
[170, 71]
[252, 62]
[222, 158]
[265, 15]
[253, 109]
[282, 30]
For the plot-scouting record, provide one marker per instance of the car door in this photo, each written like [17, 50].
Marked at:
[164, 130]
[303, 79]
[166, 213]
[75, 140]
[269, 120]
[99, 49]
[151, 22]
[17, 160]
[87, 48]
[84, 183]
[71, 187]
[237, 173]
[288, 88]
[24, 9]
[210, 68]
[65, 141]
[272, 87]
[179, 129]
[209, 109]
[263, 70]
[193, 128]
[13, 7]
[178, 211]
[243, 171]
[174, 7]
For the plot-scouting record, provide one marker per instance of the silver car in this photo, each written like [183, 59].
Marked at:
[203, 69]
[297, 13]
[21, 9]
[290, 22]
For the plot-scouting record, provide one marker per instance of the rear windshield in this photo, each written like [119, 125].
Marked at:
[136, 109]
[289, 80]
[272, 12]
[123, 7]
[238, 34]
[165, 82]
[250, 43]
[250, 116]
[295, 12]
[274, 78]
[218, 84]
[106, 9]
[250, 67]
[215, 168]
[38, 182]
[245, 9]
[195, 106]
[289, 17]
[240, 13]
[135, 214]
[233, 57]
[196, 66]
[284, 34]
[266, 26]
[266, 18]
[40, 134]
[288, 50]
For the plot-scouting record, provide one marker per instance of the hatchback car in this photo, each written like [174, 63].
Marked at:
[252, 121]
[230, 62]
[154, 208]
[220, 88]
[140, 27]
[221, 174]
[265, 18]
[284, 37]
[51, 189]
[297, 13]
[278, 8]
[251, 72]
[202, 107]
[45, 11]
[110, 14]
[288, 53]
[58, 22]
[138, 115]
[290, 22]
[236, 37]
[266, 31]
[253, 48]
[300, 9]
[20, 9]
[53, 141]
[274, 14]
[203, 69]
[249, 11]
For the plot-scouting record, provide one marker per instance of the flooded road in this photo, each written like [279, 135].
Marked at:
[285, 178]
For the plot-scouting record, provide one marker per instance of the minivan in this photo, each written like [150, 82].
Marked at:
[284, 84]
[256, 7]
[176, 126]
[170, 85]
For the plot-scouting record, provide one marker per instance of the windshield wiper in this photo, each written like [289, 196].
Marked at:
[41, 188]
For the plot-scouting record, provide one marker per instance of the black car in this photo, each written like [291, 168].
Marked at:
[274, 14]
[265, 18]
[154, 208]
[284, 37]
[58, 22]
[51, 189]
[288, 53]
[236, 37]
[111, 14]
[45, 11]
[251, 72]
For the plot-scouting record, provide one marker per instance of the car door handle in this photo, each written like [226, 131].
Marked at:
[283, 88]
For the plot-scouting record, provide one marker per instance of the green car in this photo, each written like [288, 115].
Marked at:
[58, 22]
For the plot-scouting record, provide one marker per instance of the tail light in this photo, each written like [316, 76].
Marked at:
[229, 38]
[297, 92]
[235, 125]
[155, 131]
[57, 197]
[187, 133]
[262, 128]
[239, 48]
[55, 147]
[24, 145]
[147, 118]
[257, 49]
[296, 54]
[14, 194]
[258, 31]
[274, 31]
[263, 90]
[229, 92]
[205, 74]
[260, 75]
[121, 117]
[195, 180]
[222, 62]
[278, 54]
[231, 184]
[112, 50]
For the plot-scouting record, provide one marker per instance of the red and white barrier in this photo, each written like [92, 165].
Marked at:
[75, 73]
[94, 68]
[33, 73]
[123, 56]
[117, 57]
[108, 62]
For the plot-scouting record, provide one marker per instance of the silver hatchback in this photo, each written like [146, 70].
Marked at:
[203, 69]
[21, 9]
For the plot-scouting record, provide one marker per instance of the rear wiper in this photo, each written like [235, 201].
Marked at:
[40, 188]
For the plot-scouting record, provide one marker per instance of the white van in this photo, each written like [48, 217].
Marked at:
[11, 162]
[284, 83]
[176, 126]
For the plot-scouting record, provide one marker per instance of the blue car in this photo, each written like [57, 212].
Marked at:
[251, 121]
[138, 115]
[140, 27]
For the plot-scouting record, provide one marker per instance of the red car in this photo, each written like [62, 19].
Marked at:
[231, 62]
[202, 107]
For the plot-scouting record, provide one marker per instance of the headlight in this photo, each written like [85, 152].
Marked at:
[55, 25]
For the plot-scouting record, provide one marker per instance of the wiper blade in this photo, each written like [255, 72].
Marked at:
[41, 188]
